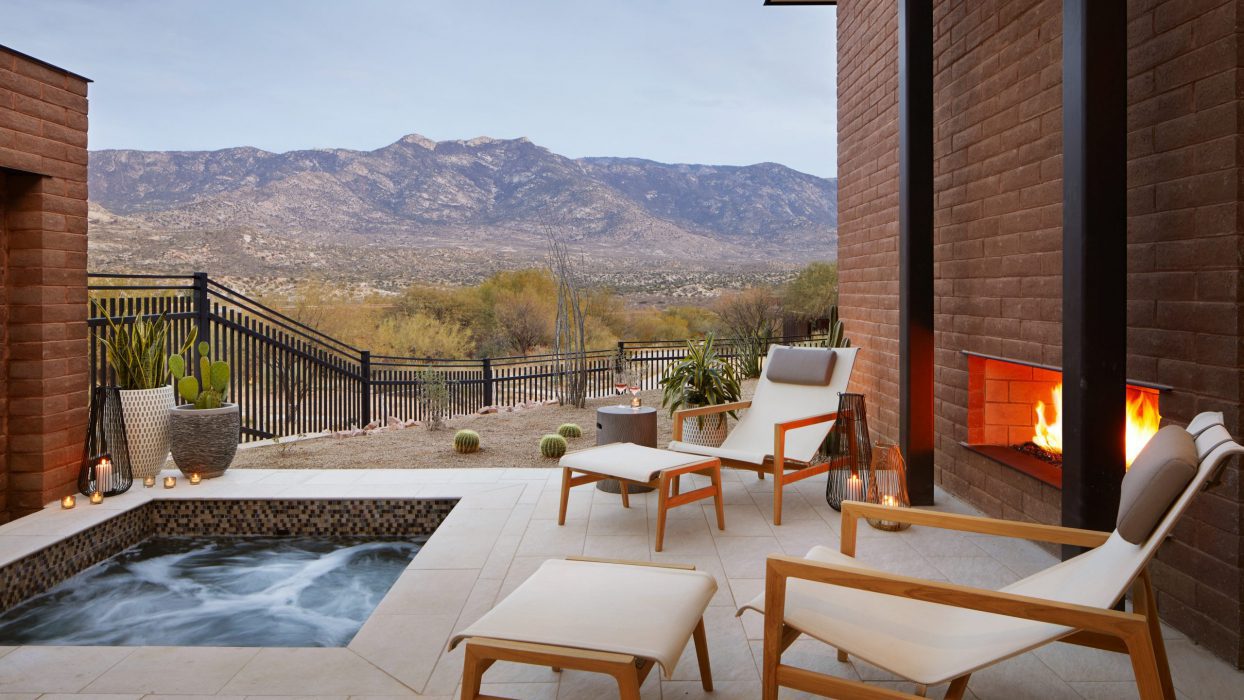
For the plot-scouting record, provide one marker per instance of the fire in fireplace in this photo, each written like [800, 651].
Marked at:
[1014, 415]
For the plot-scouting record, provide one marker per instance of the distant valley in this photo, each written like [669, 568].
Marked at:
[453, 212]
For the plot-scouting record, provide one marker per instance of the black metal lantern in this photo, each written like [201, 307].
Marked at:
[105, 465]
[848, 450]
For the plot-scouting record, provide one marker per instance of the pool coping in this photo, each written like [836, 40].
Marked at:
[395, 650]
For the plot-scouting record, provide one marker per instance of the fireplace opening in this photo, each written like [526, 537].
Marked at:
[1015, 415]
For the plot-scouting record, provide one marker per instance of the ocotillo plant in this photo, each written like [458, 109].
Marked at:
[215, 379]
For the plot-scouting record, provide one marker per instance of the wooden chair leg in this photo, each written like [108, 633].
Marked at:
[674, 489]
[760, 475]
[1146, 602]
[777, 494]
[626, 496]
[1145, 667]
[718, 498]
[663, 485]
[701, 655]
[565, 501]
[957, 688]
[922, 690]
[473, 667]
[628, 683]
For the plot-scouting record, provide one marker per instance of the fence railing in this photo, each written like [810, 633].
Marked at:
[291, 379]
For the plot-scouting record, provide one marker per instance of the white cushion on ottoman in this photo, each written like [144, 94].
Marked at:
[644, 611]
[625, 460]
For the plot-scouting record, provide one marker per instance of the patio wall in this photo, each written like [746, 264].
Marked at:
[998, 124]
[43, 377]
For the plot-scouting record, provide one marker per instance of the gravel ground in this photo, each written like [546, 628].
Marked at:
[506, 440]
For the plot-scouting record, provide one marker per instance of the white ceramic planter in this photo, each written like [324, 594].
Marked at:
[205, 439]
[711, 434]
[146, 428]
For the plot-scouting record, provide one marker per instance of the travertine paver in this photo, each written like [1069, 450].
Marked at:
[502, 529]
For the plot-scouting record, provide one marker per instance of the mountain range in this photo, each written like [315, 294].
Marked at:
[448, 211]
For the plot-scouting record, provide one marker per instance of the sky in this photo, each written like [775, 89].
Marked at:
[691, 81]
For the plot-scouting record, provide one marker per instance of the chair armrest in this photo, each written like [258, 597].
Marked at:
[779, 568]
[806, 421]
[682, 413]
[852, 511]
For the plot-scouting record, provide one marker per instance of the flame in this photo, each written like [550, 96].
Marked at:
[1143, 421]
[1049, 435]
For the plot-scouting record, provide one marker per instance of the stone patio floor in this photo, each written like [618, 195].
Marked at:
[502, 529]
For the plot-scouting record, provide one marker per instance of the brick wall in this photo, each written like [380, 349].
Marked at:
[998, 124]
[43, 122]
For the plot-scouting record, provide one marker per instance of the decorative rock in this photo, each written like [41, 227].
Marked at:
[395, 423]
[372, 425]
[411, 423]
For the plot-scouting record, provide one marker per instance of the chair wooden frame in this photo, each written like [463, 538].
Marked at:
[629, 671]
[1137, 634]
[776, 464]
[666, 485]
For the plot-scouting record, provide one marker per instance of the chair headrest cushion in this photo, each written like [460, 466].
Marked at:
[1158, 476]
[808, 366]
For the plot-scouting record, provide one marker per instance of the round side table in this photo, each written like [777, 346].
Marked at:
[625, 424]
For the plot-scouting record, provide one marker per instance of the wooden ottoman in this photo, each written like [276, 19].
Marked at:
[618, 618]
[643, 466]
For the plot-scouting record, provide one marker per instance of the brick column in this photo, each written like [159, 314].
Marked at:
[43, 206]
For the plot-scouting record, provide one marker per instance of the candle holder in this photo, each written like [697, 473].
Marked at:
[170, 482]
[149, 482]
[97, 497]
[887, 485]
[195, 478]
[636, 402]
[68, 502]
[105, 455]
[848, 450]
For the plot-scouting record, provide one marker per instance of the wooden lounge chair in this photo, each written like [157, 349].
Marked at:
[602, 616]
[786, 420]
[931, 632]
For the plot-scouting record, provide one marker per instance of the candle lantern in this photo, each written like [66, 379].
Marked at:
[105, 456]
[887, 484]
[195, 478]
[848, 450]
[148, 482]
[68, 502]
[170, 482]
[97, 498]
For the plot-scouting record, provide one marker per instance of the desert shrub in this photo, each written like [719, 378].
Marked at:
[433, 398]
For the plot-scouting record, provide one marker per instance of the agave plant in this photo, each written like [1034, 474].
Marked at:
[138, 351]
[700, 378]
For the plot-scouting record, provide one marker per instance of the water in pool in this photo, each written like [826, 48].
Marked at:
[217, 591]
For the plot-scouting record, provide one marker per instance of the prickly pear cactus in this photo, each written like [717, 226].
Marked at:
[569, 430]
[214, 376]
[552, 446]
[466, 441]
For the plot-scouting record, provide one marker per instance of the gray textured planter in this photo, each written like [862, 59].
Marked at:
[205, 440]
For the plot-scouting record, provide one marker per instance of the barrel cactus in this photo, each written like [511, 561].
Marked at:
[569, 430]
[466, 441]
[552, 446]
[215, 376]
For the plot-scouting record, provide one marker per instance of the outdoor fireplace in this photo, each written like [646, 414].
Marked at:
[1014, 415]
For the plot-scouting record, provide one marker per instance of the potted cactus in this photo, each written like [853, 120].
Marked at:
[204, 430]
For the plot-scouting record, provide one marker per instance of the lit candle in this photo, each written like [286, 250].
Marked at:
[103, 474]
[170, 482]
[68, 502]
[888, 501]
[636, 402]
[97, 497]
[195, 478]
[149, 482]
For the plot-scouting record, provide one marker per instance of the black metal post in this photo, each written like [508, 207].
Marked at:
[202, 320]
[915, 234]
[487, 366]
[365, 399]
[1094, 260]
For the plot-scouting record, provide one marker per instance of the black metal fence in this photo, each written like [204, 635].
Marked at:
[290, 379]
